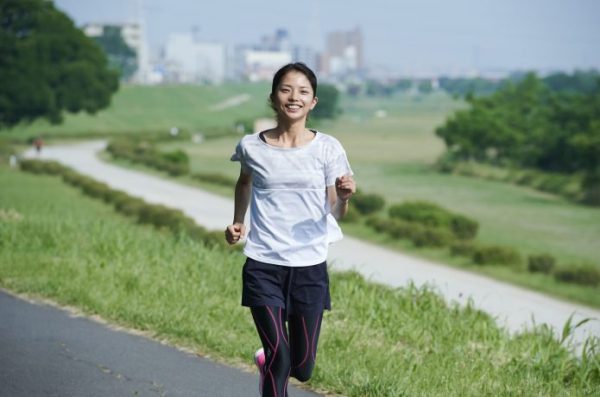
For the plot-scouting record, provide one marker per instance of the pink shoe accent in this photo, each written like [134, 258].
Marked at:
[259, 360]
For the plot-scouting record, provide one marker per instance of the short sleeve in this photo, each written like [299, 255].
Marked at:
[238, 155]
[337, 164]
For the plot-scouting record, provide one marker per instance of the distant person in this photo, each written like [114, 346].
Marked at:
[37, 144]
[298, 182]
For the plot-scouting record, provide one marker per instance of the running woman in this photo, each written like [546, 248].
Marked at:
[297, 182]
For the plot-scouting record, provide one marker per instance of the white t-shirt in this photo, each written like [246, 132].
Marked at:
[290, 218]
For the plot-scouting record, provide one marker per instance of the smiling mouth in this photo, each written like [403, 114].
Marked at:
[293, 106]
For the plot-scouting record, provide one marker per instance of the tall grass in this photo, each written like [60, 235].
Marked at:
[377, 341]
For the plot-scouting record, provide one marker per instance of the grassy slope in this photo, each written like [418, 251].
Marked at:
[138, 108]
[377, 342]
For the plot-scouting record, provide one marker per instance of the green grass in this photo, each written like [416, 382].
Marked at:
[136, 109]
[378, 341]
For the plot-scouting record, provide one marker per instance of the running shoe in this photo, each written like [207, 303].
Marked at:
[259, 360]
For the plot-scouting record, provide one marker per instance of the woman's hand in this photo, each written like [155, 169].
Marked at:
[235, 232]
[345, 187]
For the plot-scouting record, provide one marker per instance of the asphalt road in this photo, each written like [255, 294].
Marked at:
[45, 351]
[512, 306]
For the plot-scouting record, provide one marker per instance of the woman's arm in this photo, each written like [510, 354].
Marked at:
[237, 229]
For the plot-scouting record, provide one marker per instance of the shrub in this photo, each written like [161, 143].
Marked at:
[496, 255]
[367, 203]
[432, 215]
[431, 237]
[176, 157]
[591, 189]
[462, 248]
[463, 228]
[161, 216]
[423, 212]
[217, 179]
[129, 206]
[587, 275]
[541, 263]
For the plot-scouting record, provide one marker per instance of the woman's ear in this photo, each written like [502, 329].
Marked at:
[314, 103]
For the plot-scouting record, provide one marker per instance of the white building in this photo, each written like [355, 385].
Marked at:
[191, 61]
[133, 35]
[262, 65]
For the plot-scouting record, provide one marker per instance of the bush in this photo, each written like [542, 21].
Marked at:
[587, 275]
[540, 263]
[367, 203]
[423, 212]
[431, 237]
[42, 167]
[496, 255]
[591, 189]
[217, 179]
[432, 215]
[129, 206]
[176, 157]
[463, 228]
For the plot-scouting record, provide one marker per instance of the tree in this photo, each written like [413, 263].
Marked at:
[121, 57]
[327, 108]
[48, 66]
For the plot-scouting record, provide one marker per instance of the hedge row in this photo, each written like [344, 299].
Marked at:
[420, 235]
[586, 275]
[214, 178]
[175, 163]
[431, 215]
[156, 215]
[569, 186]
[427, 236]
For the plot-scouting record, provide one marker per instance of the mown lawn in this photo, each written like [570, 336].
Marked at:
[377, 341]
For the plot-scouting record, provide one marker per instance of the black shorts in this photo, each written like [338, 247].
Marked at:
[297, 290]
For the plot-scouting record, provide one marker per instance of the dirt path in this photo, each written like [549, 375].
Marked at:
[513, 307]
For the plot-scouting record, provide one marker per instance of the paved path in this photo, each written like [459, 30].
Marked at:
[513, 307]
[49, 352]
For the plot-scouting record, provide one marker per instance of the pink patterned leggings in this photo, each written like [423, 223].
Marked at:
[287, 354]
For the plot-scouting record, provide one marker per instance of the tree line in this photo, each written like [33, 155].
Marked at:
[550, 124]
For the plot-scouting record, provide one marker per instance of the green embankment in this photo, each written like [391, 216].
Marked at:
[157, 109]
[377, 341]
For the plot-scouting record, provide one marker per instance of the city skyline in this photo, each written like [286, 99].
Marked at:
[402, 37]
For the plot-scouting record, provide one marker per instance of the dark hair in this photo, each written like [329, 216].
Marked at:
[296, 67]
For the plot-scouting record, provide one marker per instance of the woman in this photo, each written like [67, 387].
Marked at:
[296, 181]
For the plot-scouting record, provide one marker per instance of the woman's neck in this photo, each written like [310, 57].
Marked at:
[290, 134]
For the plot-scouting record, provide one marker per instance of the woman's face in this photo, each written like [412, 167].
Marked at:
[294, 97]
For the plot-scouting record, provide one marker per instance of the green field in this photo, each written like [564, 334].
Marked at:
[152, 109]
[377, 341]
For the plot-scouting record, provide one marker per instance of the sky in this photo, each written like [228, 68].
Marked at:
[400, 36]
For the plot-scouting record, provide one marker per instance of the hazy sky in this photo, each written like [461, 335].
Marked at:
[401, 36]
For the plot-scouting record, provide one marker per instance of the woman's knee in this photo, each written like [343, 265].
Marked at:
[279, 361]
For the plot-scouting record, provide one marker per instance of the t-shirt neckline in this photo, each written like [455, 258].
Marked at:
[260, 136]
